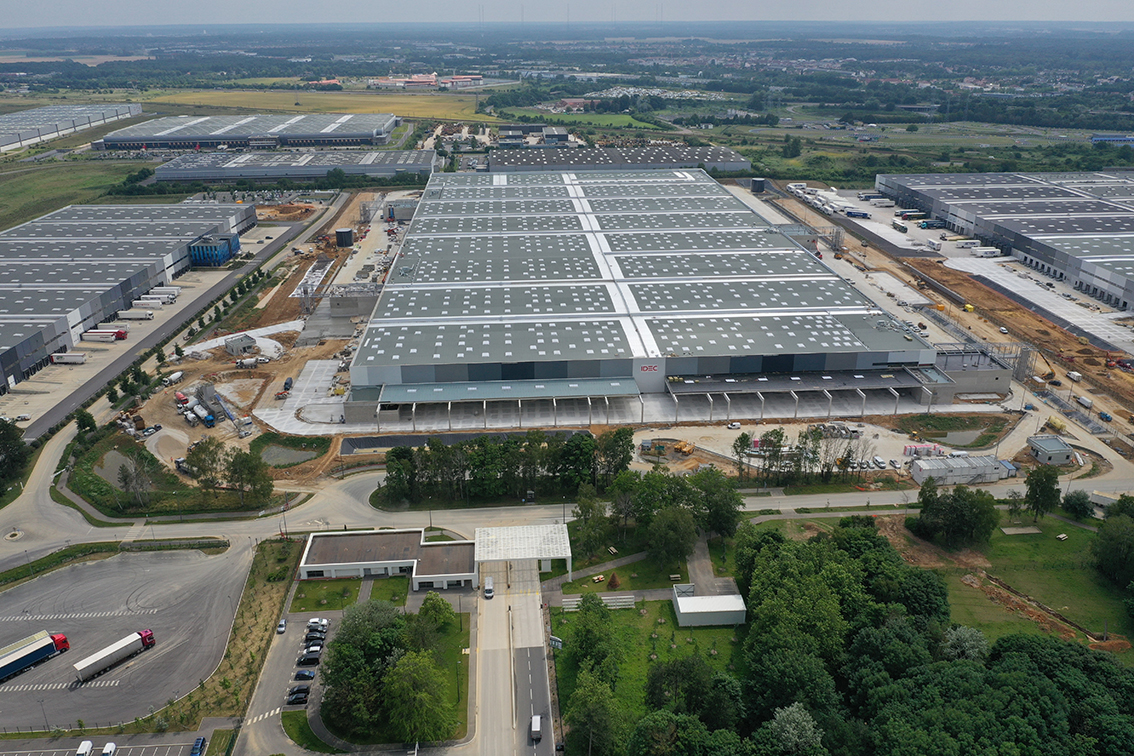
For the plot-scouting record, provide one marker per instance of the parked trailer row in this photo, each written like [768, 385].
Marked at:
[163, 298]
[25, 653]
[100, 661]
[69, 358]
[136, 315]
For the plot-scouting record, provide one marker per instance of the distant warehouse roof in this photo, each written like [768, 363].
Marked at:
[226, 166]
[310, 130]
[29, 127]
[628, 158]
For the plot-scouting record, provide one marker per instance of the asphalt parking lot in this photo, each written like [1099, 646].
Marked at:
[187, 598]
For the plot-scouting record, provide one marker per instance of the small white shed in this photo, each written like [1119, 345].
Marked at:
[700, 611]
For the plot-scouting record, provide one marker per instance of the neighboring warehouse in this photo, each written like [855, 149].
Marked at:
[548, 286]
[64, 273]
[29, 127]
[296, 166]
[654, 157]
[254, 132]
[1073, 226]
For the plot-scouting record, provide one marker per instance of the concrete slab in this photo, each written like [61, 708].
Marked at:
[1025, 530]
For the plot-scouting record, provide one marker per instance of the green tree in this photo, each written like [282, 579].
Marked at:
[593, 645]
[248, 473]
[401, 475]
[621, 493]
[664, 733]
[960, 517]
[111, 394]
[1113, 549]
[159, 355]
[740, 447]
[614, 451]
[85, 421]
[672, 534]
[577, 462]
[594, 527]
[367, 643]
[178, 351]
[208, 462]
[1078, 504]
[1042, 494]
[596, 719]
[962, 642]
[718, 504]
[794, 729]
[416, 700]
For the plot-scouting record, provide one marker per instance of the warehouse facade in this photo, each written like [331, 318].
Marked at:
[29, 127]
[654, 157]
[548, 285]
[254, 132]
[296, 166]
[1076, 226]
[64, 273]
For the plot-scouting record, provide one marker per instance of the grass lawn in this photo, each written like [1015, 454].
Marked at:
[634, 630]
[989, 428]
[316, 595]
[971, 607]
[649, 575]
[29, 192]
[392, 589]
[1061, 575]
[606, 120]
[721, 554]
[218, 744]
[456, 107]
[296, 726]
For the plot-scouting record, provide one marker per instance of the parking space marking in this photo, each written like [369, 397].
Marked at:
[82, 615]
[173, 749]
[265, 715]
[57, 686]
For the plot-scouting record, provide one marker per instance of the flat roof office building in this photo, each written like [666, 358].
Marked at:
[297, 166]
[29, 127]
[612, 283]
[1077, 226]
[254, 132]
[64, 273]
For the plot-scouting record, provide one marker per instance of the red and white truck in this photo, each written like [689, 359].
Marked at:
[99, 662]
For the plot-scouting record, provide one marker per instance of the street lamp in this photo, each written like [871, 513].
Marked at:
[46, 725]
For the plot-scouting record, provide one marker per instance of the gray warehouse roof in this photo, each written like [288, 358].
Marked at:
[217, 166]
[237, 127]
[38, 124]
[608, 158]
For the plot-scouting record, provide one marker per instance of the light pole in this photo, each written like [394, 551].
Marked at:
[46, 725]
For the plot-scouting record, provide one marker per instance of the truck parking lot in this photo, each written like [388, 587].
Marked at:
[171, 749]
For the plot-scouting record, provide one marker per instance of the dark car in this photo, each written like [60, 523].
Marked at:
[307, 660]
[1056, 382]
[313, 636]
[305, 674]
[198, 747]
[297, 700]
[304, 689]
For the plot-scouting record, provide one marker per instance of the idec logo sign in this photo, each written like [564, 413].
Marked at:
[649, 368]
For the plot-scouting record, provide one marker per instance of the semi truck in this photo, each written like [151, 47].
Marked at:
[172, 291]
[968, 243]
[931, 224]
[163, 298]
[69, 358]
[99, 662]
[97, 335]
[857, 214]
[136, 315]
[882, 203]
[148, 304]
[18, 656]
[113, 327]
[172, 378]
[206, 416]
[985, 252]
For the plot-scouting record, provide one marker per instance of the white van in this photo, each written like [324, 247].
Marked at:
[85, 748]
[488, 591]
[109, 749]
[537, 732]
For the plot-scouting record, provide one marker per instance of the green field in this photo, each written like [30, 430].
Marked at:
[605, 120]
[317, 595]
[453, 107]
[634, 630]
[27, 192]
[296, 726]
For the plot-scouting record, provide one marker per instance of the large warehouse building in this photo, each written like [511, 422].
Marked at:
[29, 127]
[654, 157]
[516, 287]
[1073, 226]
[297, 166]
[64, 273]
[255, 132]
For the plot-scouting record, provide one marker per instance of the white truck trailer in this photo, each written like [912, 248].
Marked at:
[99, 662]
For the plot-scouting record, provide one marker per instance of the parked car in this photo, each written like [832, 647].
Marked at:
[299, 699]
[149, 432]
[307, 660]
[304, 689]
[734, 426]
[318, 622]
[305, 674]
[314, 636]
[198, 747]
[313, 648]
[1056, 382]
[895, 464]
[282, 626]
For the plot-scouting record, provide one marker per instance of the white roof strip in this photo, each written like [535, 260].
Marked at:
[232, 126]
[181, 126]
[336, 124]
[285, 124]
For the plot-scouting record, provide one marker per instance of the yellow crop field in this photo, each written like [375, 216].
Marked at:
[441, 105]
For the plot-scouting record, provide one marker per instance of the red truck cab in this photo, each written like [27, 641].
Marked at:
[61, 642]
[147, 638]
[181, 399]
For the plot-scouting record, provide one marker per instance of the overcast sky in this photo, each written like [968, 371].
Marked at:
[24, 13]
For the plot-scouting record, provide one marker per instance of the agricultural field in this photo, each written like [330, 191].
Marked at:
[29, 192]
[604, 120]
[455, 107]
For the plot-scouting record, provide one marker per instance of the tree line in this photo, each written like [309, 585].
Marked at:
[847, 651]
[496, 467]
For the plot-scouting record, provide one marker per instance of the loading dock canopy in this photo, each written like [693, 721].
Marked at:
[523, 542]
[561, 388]
[830, 381]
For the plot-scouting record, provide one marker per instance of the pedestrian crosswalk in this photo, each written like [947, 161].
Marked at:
[135, 531]
[79, 615]
[57, 686]
[272, 713]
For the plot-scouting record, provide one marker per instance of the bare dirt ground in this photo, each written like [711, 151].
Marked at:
[284, 213]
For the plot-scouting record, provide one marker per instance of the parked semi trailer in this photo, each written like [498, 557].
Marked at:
[69, 358]
[103, 335]
[148, 304]
[136, 315]
[99, 662]
[18, 656]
